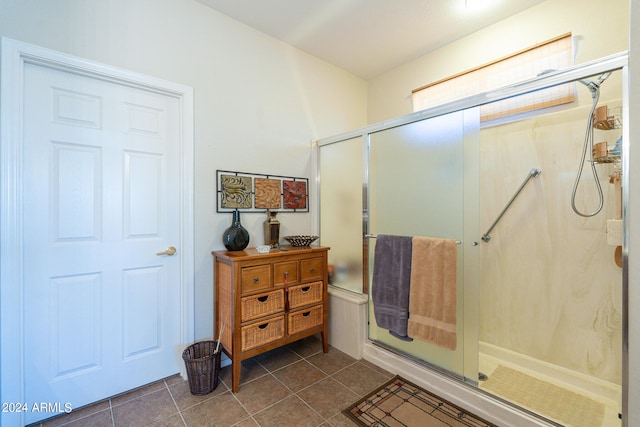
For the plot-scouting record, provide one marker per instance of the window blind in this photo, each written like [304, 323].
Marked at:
[555, 54]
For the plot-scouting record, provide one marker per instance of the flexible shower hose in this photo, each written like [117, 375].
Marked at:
[588, 145]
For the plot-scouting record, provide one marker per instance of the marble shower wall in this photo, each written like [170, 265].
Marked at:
[550, 288]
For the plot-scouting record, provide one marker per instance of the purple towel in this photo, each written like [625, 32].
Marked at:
[390, 284]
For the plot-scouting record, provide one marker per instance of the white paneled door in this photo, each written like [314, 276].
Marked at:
[102, 202]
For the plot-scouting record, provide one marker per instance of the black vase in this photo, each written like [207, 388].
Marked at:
[236, 237]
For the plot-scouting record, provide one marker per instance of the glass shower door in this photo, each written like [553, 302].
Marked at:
[341, 182]
[417, 187]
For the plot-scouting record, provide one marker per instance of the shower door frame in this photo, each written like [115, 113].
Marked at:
[615, 62]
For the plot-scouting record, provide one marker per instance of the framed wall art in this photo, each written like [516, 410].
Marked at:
[252, 192]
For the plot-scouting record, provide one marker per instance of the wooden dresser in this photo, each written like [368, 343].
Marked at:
[264, 301]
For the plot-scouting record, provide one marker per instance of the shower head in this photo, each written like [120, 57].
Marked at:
[594, 86]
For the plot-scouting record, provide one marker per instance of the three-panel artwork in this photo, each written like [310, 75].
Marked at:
[257, 192]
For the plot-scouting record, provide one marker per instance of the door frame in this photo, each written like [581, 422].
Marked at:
[13, 57]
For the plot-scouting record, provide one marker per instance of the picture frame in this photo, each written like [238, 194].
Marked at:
[254, 192]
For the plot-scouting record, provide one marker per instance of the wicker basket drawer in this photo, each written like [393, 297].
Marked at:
[256, 278]
[302, 320]
[312, 269]
[261, 333]
[262, 305]
[285, 272]
[301, 295]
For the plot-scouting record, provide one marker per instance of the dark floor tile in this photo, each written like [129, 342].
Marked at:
[222, 410]
[173, 379]
[331, 362]
[249, 371]
[289, 412]
[299, 375]
[261, 393]
[98, 419]
[173, 421]
[328, 397]
[307, 346]
[341, 420]
[377, 368]
[78, 413]
[135, 393]
[181, 393]
[145, 409]
[296, 385]
[249, 422]
[359, 378]
[277, 358]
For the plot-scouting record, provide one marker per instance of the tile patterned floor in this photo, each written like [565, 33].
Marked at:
[297, 385]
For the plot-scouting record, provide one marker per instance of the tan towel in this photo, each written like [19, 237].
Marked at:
[432, 297]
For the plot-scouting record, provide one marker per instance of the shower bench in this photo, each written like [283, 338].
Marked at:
[266, 300]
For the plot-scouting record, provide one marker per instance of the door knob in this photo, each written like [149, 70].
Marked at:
[170, 251]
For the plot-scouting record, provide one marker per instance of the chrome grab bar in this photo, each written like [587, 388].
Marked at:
[533, 173]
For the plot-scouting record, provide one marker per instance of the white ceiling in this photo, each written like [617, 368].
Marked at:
[367, 37]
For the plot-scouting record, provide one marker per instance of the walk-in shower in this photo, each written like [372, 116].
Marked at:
[539, 290]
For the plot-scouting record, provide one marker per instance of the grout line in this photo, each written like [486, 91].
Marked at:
[339, 370]
[128, 392]
[207, 398]
[250, 417]
[282, 367]
[306, 357]
[64, 423]
[294, 394]
[113, 418]
[175, 403]
[275, 403]
[243, 407]
[324, 420]
[327, 376]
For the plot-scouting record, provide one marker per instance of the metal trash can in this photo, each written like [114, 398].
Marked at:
[203, 366]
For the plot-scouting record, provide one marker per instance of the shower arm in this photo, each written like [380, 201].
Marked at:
[533, 173]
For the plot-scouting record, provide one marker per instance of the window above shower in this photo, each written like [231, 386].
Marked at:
[552, 55]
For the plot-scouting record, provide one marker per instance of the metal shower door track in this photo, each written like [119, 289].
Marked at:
[577, 72]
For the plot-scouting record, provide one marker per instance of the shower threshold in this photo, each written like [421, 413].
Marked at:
[488, 366]
[514, 383]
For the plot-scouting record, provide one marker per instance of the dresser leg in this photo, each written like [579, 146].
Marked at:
[325, 341]
[236, 365]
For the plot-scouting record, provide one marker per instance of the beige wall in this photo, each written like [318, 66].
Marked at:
[258, 102]
[598, 30]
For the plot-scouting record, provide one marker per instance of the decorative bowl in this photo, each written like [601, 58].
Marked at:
[300, 240]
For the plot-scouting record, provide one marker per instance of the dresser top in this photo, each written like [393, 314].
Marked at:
[274, 252]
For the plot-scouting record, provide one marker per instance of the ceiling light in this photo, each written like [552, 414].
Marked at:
[476, 4]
